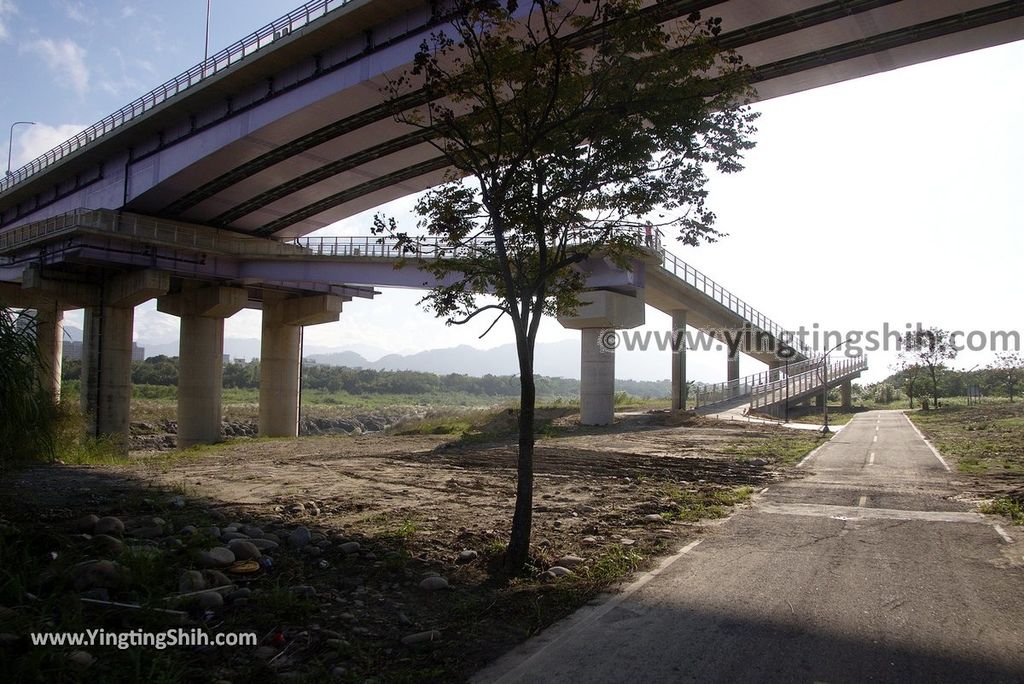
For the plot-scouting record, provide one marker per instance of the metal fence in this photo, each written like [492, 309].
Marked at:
[212, 65]
[143, 229]
[803, 383]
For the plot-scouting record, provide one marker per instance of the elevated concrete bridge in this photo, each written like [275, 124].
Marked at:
[287, 131]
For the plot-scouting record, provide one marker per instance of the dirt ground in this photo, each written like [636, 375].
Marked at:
[413, 504]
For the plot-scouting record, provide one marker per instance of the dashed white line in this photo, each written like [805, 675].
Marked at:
[863, 500]
[1002, 533]
[871, 458]
[875, 439]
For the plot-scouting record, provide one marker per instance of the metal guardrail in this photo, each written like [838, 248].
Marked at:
[143, 229]
[796, 385]
[699, 281]
[707, 395]
[212, 65]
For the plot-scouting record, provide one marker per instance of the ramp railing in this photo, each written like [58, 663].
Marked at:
[804, 383]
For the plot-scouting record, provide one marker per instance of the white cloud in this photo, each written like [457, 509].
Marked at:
[32, 141]
[77, 11]
[65, 58]
[7, 9]
[127, 12]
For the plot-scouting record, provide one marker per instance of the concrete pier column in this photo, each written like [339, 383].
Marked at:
[846, 391]
[107, 370]
[775, 370]
[601, 312]
[201, 357]
[50, 341]
[679, 386]
[281, 357]
[597, 380]
[732, 368]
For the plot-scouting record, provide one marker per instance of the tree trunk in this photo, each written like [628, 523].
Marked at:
[935, 389]
[522, 521]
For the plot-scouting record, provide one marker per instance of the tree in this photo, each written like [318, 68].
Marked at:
[1008, 371]
[931, 349]
[575, 123]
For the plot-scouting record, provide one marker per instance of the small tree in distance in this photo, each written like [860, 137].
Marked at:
[930, 349]
[1008, 371]
[575, 122]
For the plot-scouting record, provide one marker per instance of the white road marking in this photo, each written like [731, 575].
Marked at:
[764, 491]
[855, 513]
[875, 439]
[929, 444]
[863, 500]
[806, 458]
[1002, 533]
[871, 458]
[515, 661]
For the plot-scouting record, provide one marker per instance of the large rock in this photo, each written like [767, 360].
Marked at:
[217, 557]
[191, 580]
[435, 583]
[106, 545]
[109, 525]
[299, 537]
[99, 573]
[243, 549]
[87, 523]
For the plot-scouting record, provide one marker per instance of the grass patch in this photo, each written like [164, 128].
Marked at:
[691, 505]
[784, 449]
[982, 439]
[1004, 505]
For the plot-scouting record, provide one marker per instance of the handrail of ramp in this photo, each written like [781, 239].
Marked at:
[802, 383]
[216, 62]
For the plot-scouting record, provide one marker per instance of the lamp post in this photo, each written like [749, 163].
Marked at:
[824, 387]
[968, 374]
[10, 141]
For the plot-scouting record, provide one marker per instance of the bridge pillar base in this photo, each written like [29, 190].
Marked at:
[107, 370]
[281, 357]
[201, 351]
[679, 387]
[846, 391]
[597, 380]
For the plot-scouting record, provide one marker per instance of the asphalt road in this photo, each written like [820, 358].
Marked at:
[866, 570]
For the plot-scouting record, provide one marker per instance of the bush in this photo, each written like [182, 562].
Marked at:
[28, 418]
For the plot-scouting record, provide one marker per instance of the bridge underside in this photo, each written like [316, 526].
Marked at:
[295, 136]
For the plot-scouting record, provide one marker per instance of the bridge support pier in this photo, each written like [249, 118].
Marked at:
[281, 356]
[107, 350]
[50, 342]
[679, 387]
[846, 391]
[600, 312]
[733, 371]
[201, 351]
[775, 370]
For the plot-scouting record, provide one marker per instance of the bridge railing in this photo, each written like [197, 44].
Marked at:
[803, 383]
[212, 65]
[707, 395]
[701, 282]
[143, 229]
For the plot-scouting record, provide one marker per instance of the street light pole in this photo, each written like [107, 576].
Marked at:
[10, 141]
[824, 388]
[206, 48]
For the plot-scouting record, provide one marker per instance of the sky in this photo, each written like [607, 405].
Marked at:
[886, 200]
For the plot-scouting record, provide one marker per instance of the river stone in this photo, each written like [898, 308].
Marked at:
[239, 594]
[303, 591]
[211, 531]
[107, 545]
[421, 637]
[435, 583]
[467, 556]
[299, 537]
[217, 557]
[231, 536]
[243, 549]
[263, 544]
[99, 573]
[210, 600]
[569, 561]
[87, 523]
[349, 547]
[109, 525]
[216, 578]
[191, 580]
[188, 530]
[559, 571]
[252, 531]
[150, 532]
[654, 517]
[81, 659]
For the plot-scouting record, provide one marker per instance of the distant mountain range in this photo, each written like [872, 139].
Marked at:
[554, 359]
